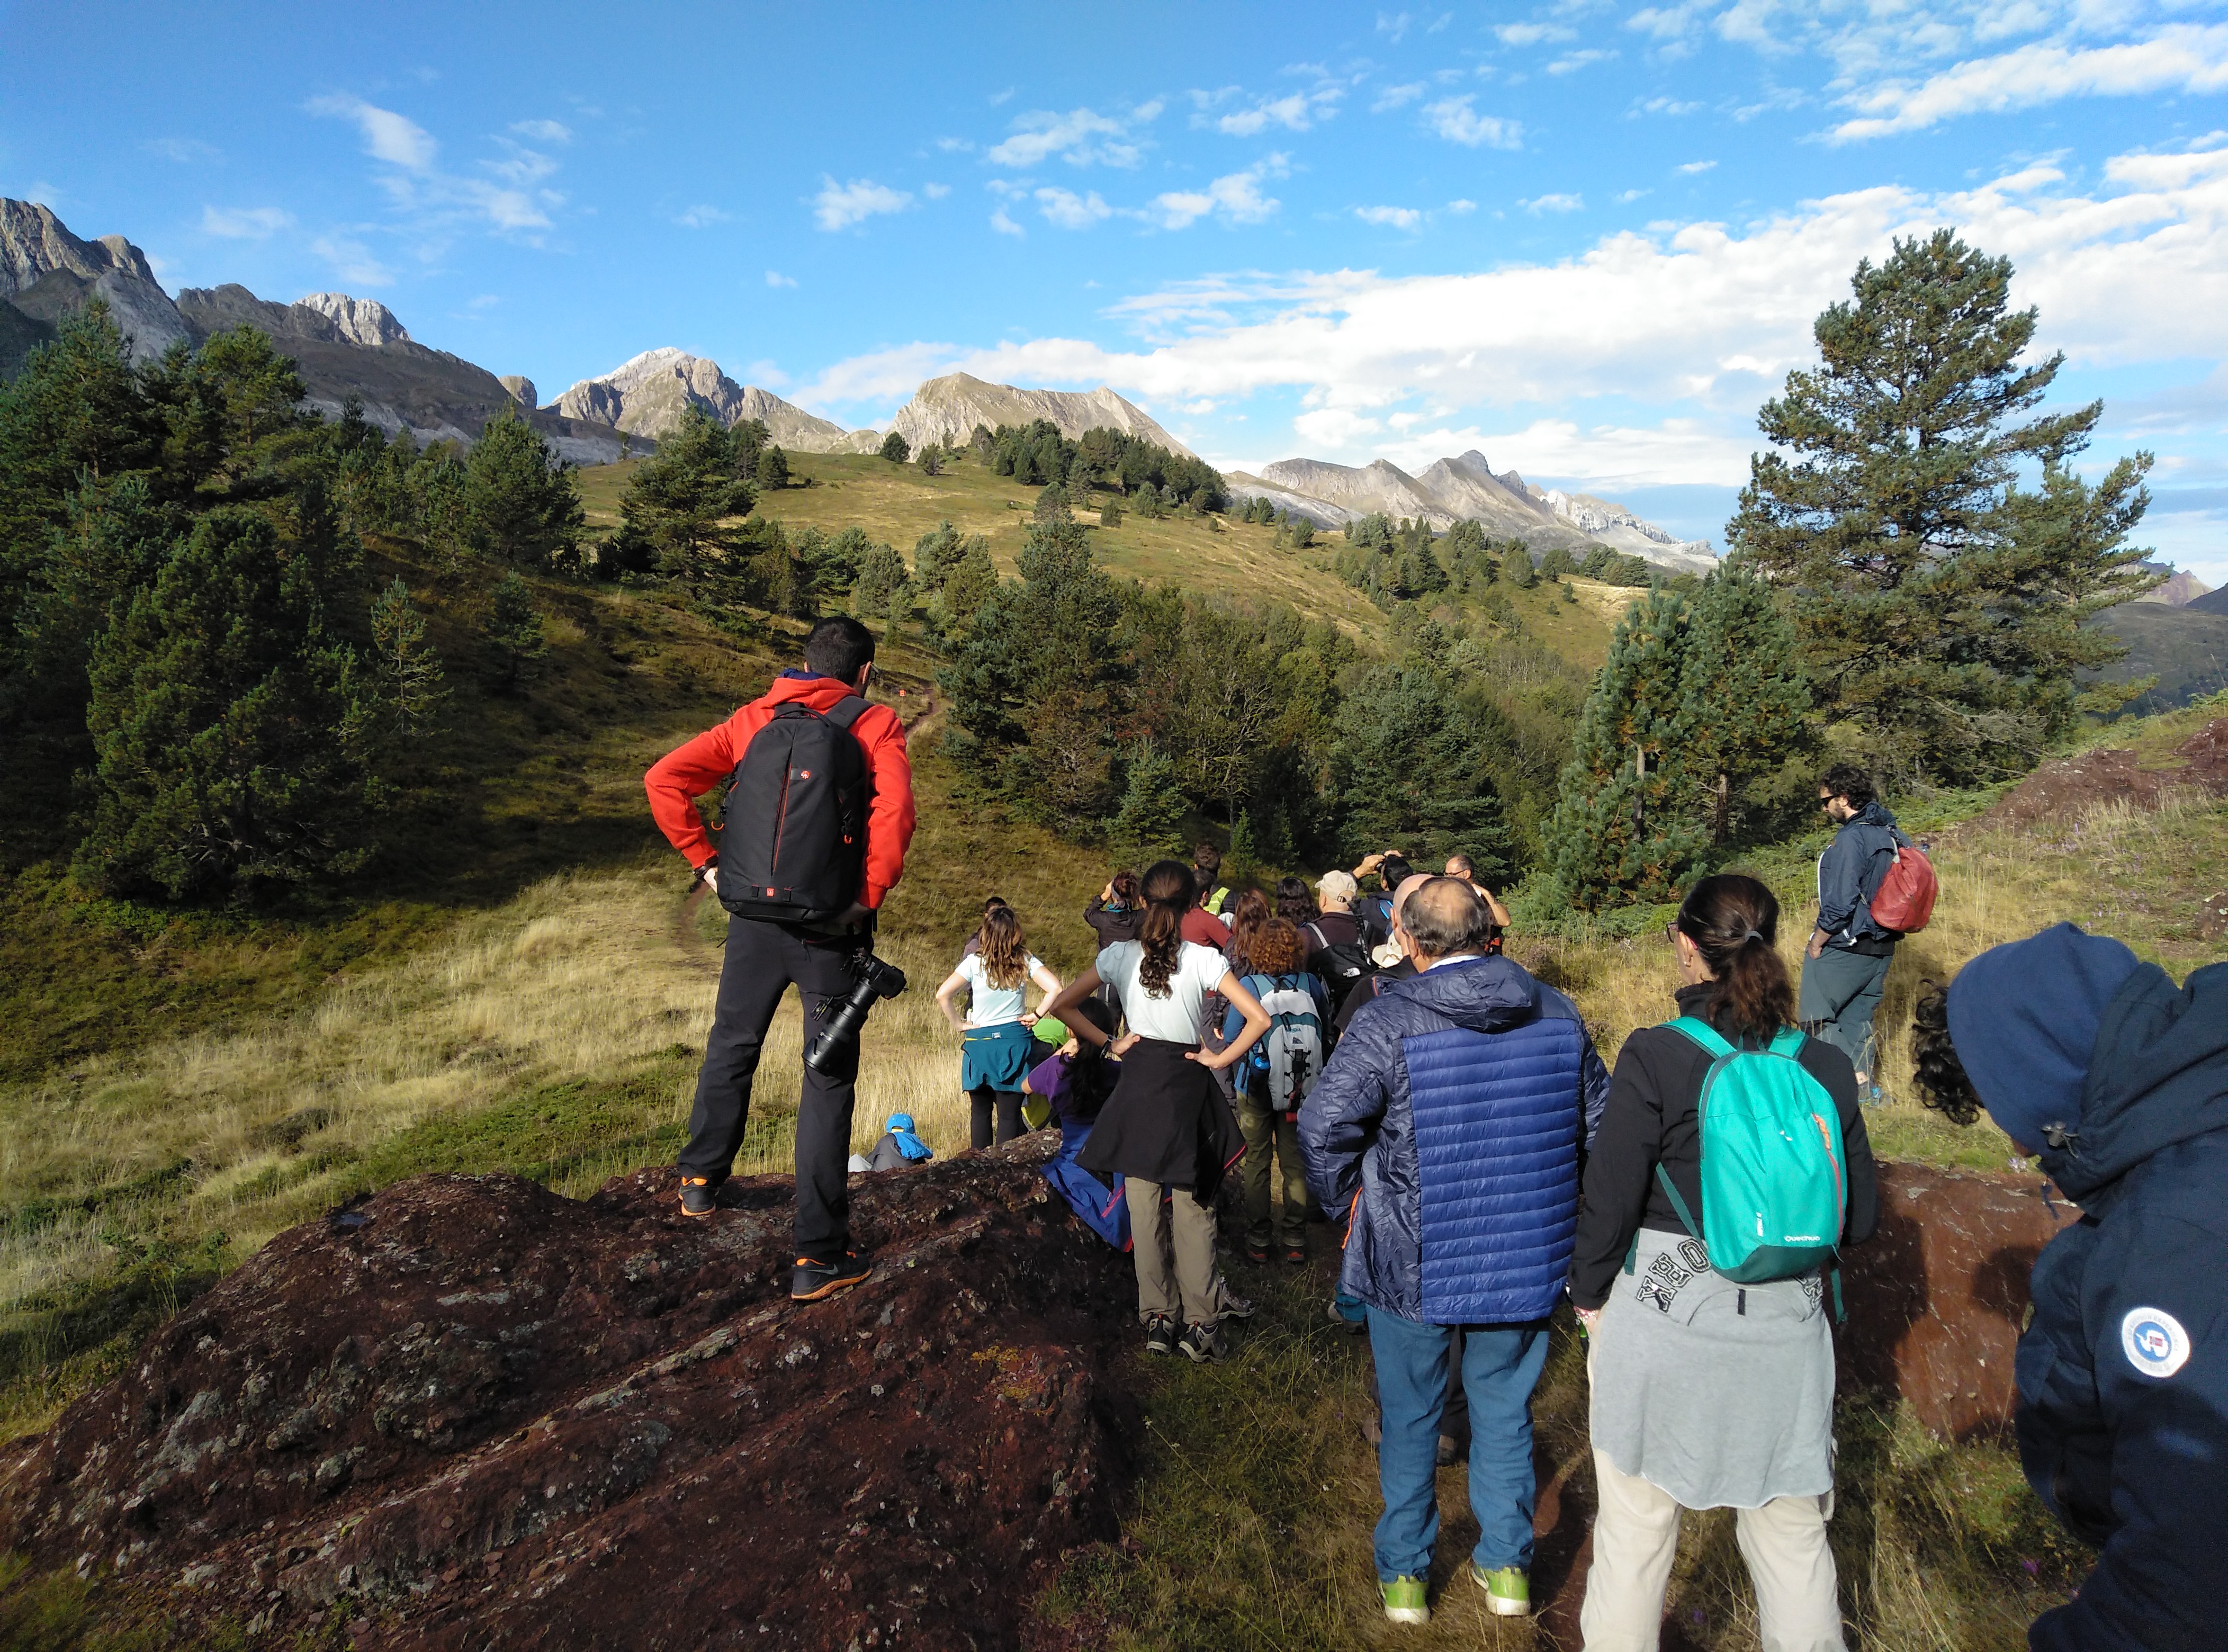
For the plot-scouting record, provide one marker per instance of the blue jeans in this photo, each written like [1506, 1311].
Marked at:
[1500, 1364]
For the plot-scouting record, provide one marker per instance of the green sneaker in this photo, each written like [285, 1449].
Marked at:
[1507, 1589]
[1404, 1600]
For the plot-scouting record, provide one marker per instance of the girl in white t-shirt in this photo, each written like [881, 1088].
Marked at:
[1167, 1127]
[995, 1051]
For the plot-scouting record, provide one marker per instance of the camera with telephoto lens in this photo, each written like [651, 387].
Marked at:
[873, 980]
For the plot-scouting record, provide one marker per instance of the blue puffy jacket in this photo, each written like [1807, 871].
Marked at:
[2122, 1414]
[1457, 1105]
[1849, 874]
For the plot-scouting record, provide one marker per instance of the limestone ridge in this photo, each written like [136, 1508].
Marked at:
[958, 402]
[649, 395]
[360, 320]
[47, 274]
[1465, 488]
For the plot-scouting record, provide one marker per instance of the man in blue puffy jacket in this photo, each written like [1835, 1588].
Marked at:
[1845, 965]
[2093, 1060]
[1449, 1122]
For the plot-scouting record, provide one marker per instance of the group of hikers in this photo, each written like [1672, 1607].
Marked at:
[1371, 1056]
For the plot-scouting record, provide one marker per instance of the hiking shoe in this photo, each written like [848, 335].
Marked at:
[1257, 1253]
[1450, 1450]
[1404, 1600]
[1507, 1589]
[696, 1196]
[1233, 1307]
[1295, 1256]
[1204, 1344]
[1337, 1316]
[814, 1280]
[1161, 1334]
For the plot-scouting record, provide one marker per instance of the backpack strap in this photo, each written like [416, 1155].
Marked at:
[1698, 1031]
[1788, 1043]
[1686, 1216]
[846, 711]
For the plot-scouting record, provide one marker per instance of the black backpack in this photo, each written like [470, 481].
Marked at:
[1343, 965]
[794, 843]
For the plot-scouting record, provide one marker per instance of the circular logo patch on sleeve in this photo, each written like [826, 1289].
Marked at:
[2155, 1344]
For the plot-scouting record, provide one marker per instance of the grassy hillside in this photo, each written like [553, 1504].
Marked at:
[2185, 649]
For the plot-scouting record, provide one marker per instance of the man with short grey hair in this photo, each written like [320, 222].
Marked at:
[1449, 1120]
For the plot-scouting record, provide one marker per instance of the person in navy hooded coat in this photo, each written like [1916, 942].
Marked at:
[2097, 1062]
[1449, 1122]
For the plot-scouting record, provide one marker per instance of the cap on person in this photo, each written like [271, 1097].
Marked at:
[1336, 887]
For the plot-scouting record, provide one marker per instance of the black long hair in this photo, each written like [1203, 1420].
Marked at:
[1169, 892]
[1295, 904]
[1734, 920]
[1089, 1075]
[1944, 1083]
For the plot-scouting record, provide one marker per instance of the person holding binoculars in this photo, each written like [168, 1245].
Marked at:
[819, 811]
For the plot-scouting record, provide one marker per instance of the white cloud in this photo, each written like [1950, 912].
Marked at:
[1531, 34]
[838, 206]
[1664, 106]
[1558, 203]
[1704, 317]
[521, 168]
[776, 278]
[954, 146]
[1395, 97]
[2180, 57]
[1393, 27]
[1454, 119]
[1692, 167]
[352, 261]
[1235, 198]
[1571, 62]
[388, 136]
[1071, 211]
[1459, 206]
[246, 223]
[997, 99]
[184, 150]
[702, 217]
[1003, 223]
[1396, 217]
[1627, 197]
[1665, 23]
[1081, 138]
[936, 191]
[543, 131]
[1297, 112]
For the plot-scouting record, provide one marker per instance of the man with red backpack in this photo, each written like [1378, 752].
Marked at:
[819, 812]
[1845, 965]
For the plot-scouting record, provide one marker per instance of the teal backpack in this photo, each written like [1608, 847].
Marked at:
[1775, 1187]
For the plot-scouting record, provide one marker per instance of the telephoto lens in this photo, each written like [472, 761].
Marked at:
[875, 980]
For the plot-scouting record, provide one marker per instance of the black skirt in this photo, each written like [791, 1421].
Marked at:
[1166, 1121]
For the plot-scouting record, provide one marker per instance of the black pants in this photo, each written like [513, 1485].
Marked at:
[763, 960]
[1008, 1103]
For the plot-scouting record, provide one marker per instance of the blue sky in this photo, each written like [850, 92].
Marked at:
[1587, 238]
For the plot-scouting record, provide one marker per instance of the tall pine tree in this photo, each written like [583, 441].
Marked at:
[524, 503]
[1938, 606]
[1746, 703]
[1624, 826]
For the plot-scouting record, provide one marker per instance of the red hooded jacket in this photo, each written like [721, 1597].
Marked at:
[682, 776]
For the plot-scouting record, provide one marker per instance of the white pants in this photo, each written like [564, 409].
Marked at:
[1636, 1537]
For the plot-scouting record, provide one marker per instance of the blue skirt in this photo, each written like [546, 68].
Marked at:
[997, 1056]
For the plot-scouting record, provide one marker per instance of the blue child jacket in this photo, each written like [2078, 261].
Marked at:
[1449, 1120]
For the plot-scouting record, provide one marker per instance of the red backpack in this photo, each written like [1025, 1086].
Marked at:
[1904, 900]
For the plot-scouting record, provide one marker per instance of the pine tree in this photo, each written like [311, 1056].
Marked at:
[1937, 603]
[676, 515]
[1745, 702]
[935, 553]
[1110, 512]
[523, 503]
[1411, 763]
[968, 583]
[881, 582]
[407, 666]
[895, 448]
[512, 632]
[1151, 819]
[772, 469]
[1623, 826]
[231, 732]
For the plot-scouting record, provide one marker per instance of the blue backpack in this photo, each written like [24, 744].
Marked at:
[1774, 1183]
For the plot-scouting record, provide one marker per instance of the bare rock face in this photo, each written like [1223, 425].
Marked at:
[49, 275]
[359, 321]
[956, 403]
[521, 388]
[1937, 1299]
[649, 395]
[476, 1414]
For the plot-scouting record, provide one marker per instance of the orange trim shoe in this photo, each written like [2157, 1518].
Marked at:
[696, 1196]
[814, 1280]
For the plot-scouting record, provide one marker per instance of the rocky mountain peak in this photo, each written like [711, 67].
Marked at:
[650, 393]
[958, 401]
[48, 274]
[360, 320]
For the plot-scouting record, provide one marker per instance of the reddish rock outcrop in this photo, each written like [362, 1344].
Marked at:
[2057, 792]
[470, 1413]
[1937, 1299]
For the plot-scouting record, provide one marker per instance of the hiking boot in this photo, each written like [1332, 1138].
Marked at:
[1404, 1600]
[1204, 1344]
[1161, 1334]
[1295, 1256]
[814, 1280]
[1507, 1589]
[696, 1196]
[1256, 1253]
[1233, 1307]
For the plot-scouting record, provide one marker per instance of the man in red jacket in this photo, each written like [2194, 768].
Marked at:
[765, 957]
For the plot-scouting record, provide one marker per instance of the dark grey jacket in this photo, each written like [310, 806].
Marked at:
[1849, 874]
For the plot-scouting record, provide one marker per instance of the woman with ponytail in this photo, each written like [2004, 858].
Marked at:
[1706, 1393]
[996, 1046]
[1168, 1127]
